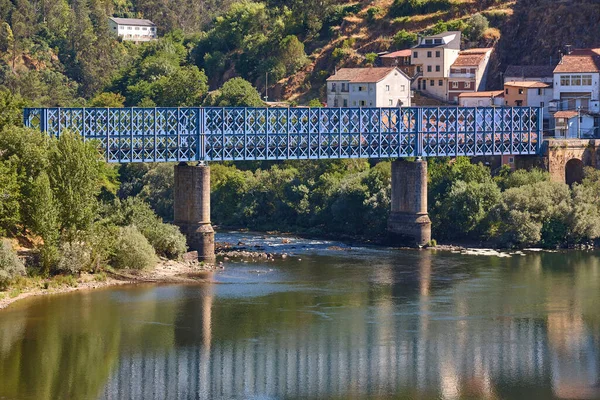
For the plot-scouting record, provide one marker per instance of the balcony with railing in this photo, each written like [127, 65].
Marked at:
[462, 75]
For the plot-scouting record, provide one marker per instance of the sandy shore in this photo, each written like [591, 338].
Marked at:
[166, 271]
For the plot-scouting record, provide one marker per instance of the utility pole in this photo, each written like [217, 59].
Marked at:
[579, 122]
[266, 87]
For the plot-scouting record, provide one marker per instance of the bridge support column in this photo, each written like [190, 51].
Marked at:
[409, 223]
[192, 209]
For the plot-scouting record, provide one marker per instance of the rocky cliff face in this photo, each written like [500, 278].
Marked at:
[539, 29]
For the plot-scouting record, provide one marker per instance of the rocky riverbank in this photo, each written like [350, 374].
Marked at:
[187, 270]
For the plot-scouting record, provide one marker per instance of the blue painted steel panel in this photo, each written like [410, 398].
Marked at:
[128, 135]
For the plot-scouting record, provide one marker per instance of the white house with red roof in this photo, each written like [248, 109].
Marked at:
[576, 97]
[369, 87]
[468, 73]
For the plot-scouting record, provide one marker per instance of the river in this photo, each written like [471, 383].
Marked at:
[326, 323]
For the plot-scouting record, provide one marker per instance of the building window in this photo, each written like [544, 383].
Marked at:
[540, 92]
[511, 160]
[129, 27]
[363, 103]
[519, 103]
[438, 41]
[354, 102]
[506, 91]
[429, 68]
[387, 88]
[542, 104]
[335, 102]
[565, 80]
[454, 85]
[432, 83]
[333, 87]
[403, 88]
[428, 54]
[520, 91]
[440, 83]
[345, 102]
[360, 88]
[415, 54]
[437, 54]
[428, 41]
[137, 28]
[437, 68]
[391, 102]
[586, 80]
[467, 85]
[418, 68]
[576, 80]
[114, 27]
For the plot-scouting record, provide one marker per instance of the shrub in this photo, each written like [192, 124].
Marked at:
[532, 214]
[10, 264]
[370, 58]
[373, 12]
[414, 7]
[75, 256]
[477, 25]
[507, 179]
[166, 239]
[404, 39]
[132, 250]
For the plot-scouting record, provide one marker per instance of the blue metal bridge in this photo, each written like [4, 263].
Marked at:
[127, 135]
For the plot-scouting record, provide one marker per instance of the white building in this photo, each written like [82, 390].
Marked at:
[133, 29]
[368, 87]
[577, 81]
[575, 124]
[469, 72]
[434, 56]
[493, 98]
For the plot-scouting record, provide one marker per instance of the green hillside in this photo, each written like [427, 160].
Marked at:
[61, 53]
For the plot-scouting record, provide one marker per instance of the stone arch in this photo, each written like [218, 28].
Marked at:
[573, 171]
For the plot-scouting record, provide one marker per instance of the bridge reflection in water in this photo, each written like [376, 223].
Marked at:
[415, 346]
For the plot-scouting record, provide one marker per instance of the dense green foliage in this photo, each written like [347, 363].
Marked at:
[58, 195]
[10, 265]
[413, 7]
[132, 250]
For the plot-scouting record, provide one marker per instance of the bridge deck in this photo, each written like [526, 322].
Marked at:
[128, 135]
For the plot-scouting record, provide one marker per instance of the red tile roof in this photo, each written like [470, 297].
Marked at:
[565, 114]
[399, 53]
[491, 93]
[581, 60]
[362, 75]
[527, 84]
[471, 58]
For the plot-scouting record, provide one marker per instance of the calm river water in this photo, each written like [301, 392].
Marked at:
[325, 323]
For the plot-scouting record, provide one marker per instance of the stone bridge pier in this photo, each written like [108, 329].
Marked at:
[409, 222]
[565, 159]
[192, 209]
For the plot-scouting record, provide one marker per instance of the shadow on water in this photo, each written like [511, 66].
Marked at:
[350, 323]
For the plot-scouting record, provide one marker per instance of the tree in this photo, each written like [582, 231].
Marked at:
[236, 92]
[9, 198]
[404, 39]
[6, 37]
[107, 99]
[75, 179]
[292, 54]
[185, 87]
[477, 25]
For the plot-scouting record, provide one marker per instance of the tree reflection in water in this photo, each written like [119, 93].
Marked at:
[412, 324]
